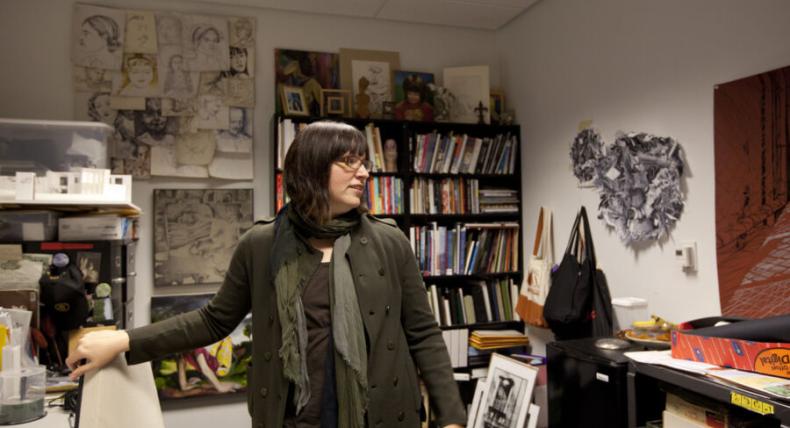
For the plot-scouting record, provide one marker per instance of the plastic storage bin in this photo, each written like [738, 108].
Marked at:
[28, 225]
[627, 310]
[22, 394]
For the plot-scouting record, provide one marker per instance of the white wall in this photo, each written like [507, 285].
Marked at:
[634, 66]
[35, 82]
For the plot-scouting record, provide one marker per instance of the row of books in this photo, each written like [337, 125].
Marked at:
[385, 195]
[466, 249]
[286, 132]
[465, 351]
[457, 342]
[482, 302]
[460, 196]
[462, 154]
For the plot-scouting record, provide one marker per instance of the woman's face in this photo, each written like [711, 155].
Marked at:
[90, 39]
[94, 75]
[102, 105]
[177, 63]
[140, 73]
[208, 42]
[346, 187]
[238, 61]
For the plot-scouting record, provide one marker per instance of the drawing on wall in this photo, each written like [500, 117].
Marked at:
[195, 233]
[213, 83]
[238, 137]
[140, 33]
[471, 87]
[179, 82]
[182, 107]
[205, 43]
[242, 32]
[169, 29]
[310, 71]
[94, 107]
[751, 122]
[91, 79]
[97, 37]
[152, 128]
[138, 78]
[212, 113]
[220, 368]
[638, 178]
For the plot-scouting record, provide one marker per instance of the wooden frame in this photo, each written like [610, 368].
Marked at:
[347, 58]
[329, 96]
[297, 105]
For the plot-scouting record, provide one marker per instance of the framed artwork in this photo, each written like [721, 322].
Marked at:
[474, 409]
[196, 232]
[470, 85]
[293, 101]
[532, 416]
[387, 109]
[496, 105]
[311, 71]
[401, 76]
[335, 102]
[220, 368]
[413, 100]
[367, 74]
[508, 392]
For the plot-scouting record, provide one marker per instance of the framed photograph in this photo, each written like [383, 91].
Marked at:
[474, 410]
[496, 105]
[505, 402]
[413, 99]
[311, 71]
[335, 102]
[219, 368]
[367, 74]
[293, 101]
[471, 88]
[387, 109]
[196, 232]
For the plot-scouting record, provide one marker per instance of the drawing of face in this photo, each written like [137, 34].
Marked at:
[169, 30]
[152, 116]
[90, 39]
[243, 29]
[177, 63]
[94, 75]
[236, 121]
[104, 113]
[213, 106]
[140, 73]
[207, 41]
[137, 29]
[413, 97]
[238, 60]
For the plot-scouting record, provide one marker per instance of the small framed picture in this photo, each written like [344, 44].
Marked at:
[293, 101]
[496, 105]
[335, 102]
[505, 400]
[387, 109]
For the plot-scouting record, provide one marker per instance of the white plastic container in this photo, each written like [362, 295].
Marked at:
[627, 310]
[22, 394]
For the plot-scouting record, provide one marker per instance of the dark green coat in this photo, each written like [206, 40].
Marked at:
[401, 330]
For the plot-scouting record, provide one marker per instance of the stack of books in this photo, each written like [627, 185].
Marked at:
[496, 339]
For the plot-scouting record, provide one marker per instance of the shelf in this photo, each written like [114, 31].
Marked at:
[379, 121]
[464, 175]
[481, 275]
[483, 325]
[82, 206]
[471, 217]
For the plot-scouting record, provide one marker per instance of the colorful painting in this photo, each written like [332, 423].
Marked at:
[751, 122]
[220, 368]
[311, 71]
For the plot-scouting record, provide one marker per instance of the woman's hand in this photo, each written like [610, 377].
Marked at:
[97, 348]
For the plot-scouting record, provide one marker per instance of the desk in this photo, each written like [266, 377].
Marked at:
[700, 385]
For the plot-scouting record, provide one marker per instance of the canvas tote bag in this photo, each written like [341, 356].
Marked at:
[537, 281]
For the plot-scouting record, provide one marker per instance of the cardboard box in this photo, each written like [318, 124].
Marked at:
[769, 358]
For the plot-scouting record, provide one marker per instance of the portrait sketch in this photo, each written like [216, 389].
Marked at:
[196, 232]
[139, 77]
[90, 79]
[310, 71]
[471, 86]
[212, 113]
[140, 33]
[213, 83]
[169, 29]
[219, 368]
[241, 92]
[178, 81]
[181, 107]
[94, 107]
[242, 32]
[379, 87]
[152, 128]
[205, 43]
[238, 137]
[97, 37]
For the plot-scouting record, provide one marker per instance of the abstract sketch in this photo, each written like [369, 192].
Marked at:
[310, 71]
[97, 37]
[378, 75]
[196, 232]
[205, 43]
[751, 123]
[179, 82]
[586, 151]
[140, 33]
[90, 79]
[220, 368]
[242, 32]
[139, 77]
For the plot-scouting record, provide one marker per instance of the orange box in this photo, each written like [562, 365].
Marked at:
[771, 359]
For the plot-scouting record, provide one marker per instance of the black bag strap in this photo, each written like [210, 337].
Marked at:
[589, 249]
[573, 240]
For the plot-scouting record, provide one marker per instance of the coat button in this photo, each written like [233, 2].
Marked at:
[395, 381]
[267, 356]
[363, 240]
[387, 309]
[373, 386]
[372, 312]
[390, 345]
[381, 271]
[401, 416]
[264, 392]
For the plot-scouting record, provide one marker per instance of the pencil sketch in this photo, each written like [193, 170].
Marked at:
[205, 42]
[196, 232]
[125, 144]
[169, 29]
[242, 62]
[140, 33]
[238, 137]
[97, 37]
[164, 164]
[179, 107]
[212, 113]
[152, 127]
[94, 107]
[179, 82]
[127, 103]
[195, 149]
[139, 77]
[231, 166]
[213, 83]
[91, 79]
[241, 92]
[242, 32]
[377, 74]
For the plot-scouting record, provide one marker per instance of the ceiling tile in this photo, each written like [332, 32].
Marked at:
[519, 4]
[359, 8]
[487, 16]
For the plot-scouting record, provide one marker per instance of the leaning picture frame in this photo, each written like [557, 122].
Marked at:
[477, 398]
[368, 74]
[293, 101]
[505, 401]
[335, 102]
[471, 87]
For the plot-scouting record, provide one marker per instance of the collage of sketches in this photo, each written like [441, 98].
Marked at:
[178, 88]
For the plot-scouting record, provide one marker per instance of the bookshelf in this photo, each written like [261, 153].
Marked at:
[446, 197]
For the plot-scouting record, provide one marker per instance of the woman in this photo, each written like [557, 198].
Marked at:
[99, 43]
[339, 311]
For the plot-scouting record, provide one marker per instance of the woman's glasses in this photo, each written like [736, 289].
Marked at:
[354, 163]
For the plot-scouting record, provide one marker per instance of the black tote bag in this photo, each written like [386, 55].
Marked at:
[579, 304]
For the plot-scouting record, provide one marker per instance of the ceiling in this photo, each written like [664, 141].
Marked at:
[478, 14]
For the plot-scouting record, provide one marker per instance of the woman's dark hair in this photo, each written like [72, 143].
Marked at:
[107, 28]
[309, 160]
